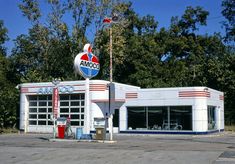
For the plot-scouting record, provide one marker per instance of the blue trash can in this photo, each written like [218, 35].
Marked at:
[79, 133]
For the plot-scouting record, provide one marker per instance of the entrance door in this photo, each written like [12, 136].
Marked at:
[116, 121]
[211, 117]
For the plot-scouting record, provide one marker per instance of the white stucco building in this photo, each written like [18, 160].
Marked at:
[184, 110]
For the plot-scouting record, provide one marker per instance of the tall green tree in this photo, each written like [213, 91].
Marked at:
[143, 54]
[228, 11]
[49, 48]
[8, 93]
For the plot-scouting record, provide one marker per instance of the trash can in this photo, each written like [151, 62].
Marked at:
[61, 125]
[100, 133]
[99, 125]
[79, 133]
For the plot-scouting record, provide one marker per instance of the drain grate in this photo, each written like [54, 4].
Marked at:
[226, 157]
[227, 154]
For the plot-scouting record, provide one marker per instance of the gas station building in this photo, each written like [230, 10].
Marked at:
[183, 110]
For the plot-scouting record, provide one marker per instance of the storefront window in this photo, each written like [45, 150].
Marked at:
[160, 118]
[156, 116]
[211, 117]
[181, 118]
[137, 118]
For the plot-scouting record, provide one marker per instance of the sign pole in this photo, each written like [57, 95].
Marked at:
[87, 107]
[111, 80]
[55, 108]
[55, 99]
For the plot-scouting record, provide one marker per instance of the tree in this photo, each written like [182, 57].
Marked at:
[48, 50]
[143, 55]
[30, 9]
[228, 12]
[8, 92]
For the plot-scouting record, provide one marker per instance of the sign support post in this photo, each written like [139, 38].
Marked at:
[110, 21]
[55, 98]
[111, 80]
[87, 107]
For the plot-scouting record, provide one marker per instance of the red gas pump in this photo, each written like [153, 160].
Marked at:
[61, 125]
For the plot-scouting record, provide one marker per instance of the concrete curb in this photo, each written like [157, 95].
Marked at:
[74, 140]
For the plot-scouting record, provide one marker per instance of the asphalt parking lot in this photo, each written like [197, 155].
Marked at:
[138, 149]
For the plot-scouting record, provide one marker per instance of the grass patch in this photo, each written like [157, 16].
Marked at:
[230, 128]
[8, 130]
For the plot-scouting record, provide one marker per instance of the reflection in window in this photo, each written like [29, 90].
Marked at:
[33, 110]
[64, 103]
[42, 110]
[180, 118]
[43, 103]
[32, 103]
[156, 116]
[33, 116]
[137, 118]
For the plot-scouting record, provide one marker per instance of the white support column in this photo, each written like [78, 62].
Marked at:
[110, 120]
[23, 113]
[123, 121]
[218, 120]
[86, 129]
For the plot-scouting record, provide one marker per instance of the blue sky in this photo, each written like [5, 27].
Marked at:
[162, 10]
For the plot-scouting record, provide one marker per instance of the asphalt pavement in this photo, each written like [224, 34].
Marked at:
[217, 148]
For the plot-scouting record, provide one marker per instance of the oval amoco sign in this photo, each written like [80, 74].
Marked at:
[86, 63]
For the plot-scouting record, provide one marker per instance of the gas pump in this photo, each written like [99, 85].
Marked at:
[61, 125]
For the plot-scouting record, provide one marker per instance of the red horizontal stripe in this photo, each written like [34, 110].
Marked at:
[131, 95]
[97, 89]
[106, 100]
[194, 94]
[221, 97]
[97, 84]
[79, 85]
[79, 90]
[24, 90]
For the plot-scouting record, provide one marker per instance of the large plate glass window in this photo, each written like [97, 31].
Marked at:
[160, 118]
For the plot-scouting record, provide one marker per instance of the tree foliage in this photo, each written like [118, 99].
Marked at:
[8, 93]
[143, 54]
[176, 56]
[228, 12]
